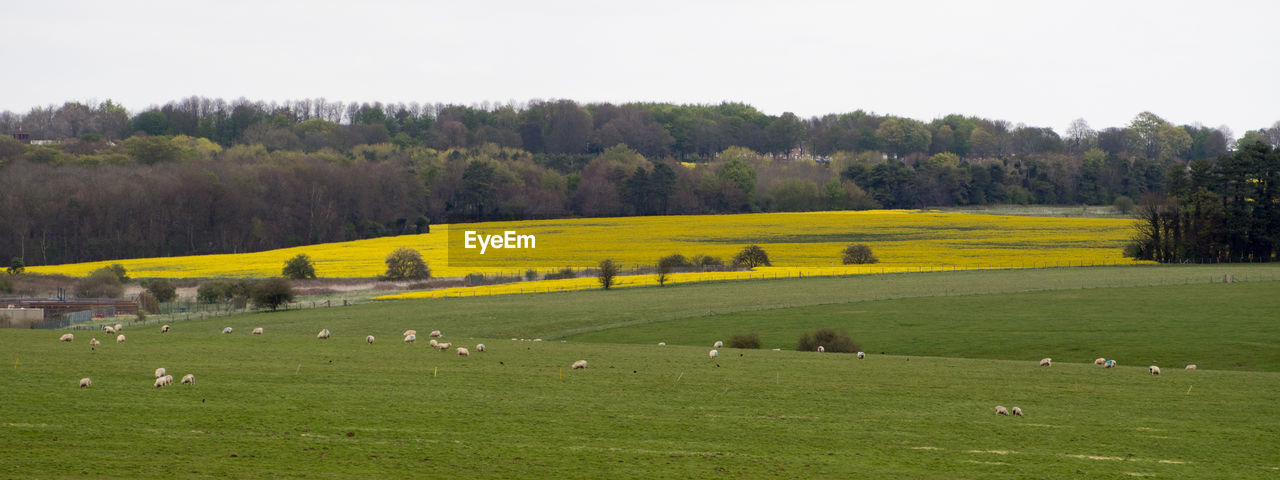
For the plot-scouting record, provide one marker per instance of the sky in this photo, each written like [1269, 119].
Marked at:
[1038, 63]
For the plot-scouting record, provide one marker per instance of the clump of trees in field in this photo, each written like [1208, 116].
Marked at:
[831, 340]
[744, 340]
[299, 267]
[858, 254]
[406, 264]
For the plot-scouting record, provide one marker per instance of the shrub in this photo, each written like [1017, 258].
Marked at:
[147, 302]
[119, 272]
[162, 290]
[271, 293]
[299, 267]
[664, 269]
[608, 270]
[16, 266]
[1124, 205]
[564, 273]
[751, 257]
[674, 261]
[101, 283]
[744, 340]
[530, 274]
[6, 285]
[406, 264]
[213, 292]
[706, 261]
[857, 254]
[830, 340]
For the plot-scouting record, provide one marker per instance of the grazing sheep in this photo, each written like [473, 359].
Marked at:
[1044, 362]
[93, 342]
[1109, 364]
[1154, 370]
[226, 330]
[119, 327]
[1017, 412]
[714, 353]
[120, 338]
[579, 364]
[109, 329]
[323, 335]
[164, 381]
[480, 347]
[66, 337]
[85, 382]
[434, 343]
[463, 352]
[821, 349]
[164, 329]
[862, 355]
[160, 372]
[436, 334]
[410, 338]
[409, 332]
[190, 379]
[718, 344]
[1000, 410]
[662, 344]
[537, 339]
[1099, 361]
[369, 339]
[256, 331]
[443, 346]
[1191, 367]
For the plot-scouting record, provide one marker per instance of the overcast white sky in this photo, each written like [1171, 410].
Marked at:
[1033, 62]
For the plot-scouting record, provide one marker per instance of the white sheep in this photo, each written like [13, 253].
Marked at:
[160, 372]
[410, 338]
[120, 338]
[1000, 410]
[579, 364]
[164, 329]
[164, 381]
[821, 349]
[188, 379]
[714, 353]
[1109, 364]
[718, 344]
[480, 347]
[323, 335]
[1154, 370]
[463, 352]
[862, 355]
[434, 343]
[1191, 367]
[256, 331]
[1099, 361]
[226, 330]
[1044, 362]
[409, 332]
[1017, 412]
[444, 346]
[436, 334]
[119, 327]
[93, 342]
[85, 382]
[662, 344]
[109, 329]
[368, 339]
[66, 337]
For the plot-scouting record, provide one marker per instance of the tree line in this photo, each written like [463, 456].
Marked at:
[209, 176]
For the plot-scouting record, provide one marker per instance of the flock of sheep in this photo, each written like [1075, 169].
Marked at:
[1045, 362]
[162, 378]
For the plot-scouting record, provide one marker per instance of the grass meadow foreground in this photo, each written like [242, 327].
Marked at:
[286, 405]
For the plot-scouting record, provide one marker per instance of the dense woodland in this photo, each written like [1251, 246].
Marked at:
[206, 175]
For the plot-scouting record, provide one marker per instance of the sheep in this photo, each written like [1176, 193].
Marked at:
[1044, 362]
[160, 372]
[410, 338]
[409, 332]
[1191, 367]
[164, 381]
[463, 352]
[821, 349]
[1154, 370]
[190, 379]
[120, 338]
[1109, 364]
[119, 327]
[226, 330]
[368, 339]
[66, 337]
[434, 343]
[164, 328]
[1099, 361]
[85, 382]
[579, 364]
[256, 331]
[323, 335]
[443, 346]
[1017, 412]
[93, 342]
[662, 344]
[436, 334]
[480, 347]
[718, 344]
[109, 329]
[862, 355]
[714, 353]
[1000, 410]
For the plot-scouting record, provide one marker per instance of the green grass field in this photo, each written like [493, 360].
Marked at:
[285, 405]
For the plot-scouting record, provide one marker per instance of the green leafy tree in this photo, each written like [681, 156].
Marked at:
[163, 291]
[119, 271]
[16, 266]
[299, 267]
[271, 293]
[406, 264]
[101, 283]
[213, 292]
[608, 270]
[751, 257]
[857, 254]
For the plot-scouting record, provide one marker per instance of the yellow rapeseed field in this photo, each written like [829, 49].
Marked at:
[797, 244]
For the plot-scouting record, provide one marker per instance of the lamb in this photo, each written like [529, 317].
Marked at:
[436, 334]
[410, 338]
[256, 331]
[93, 342]
[579, 364]
[160, 372]
[480, 347]
[409, 332]
[861, 355]
[1109, 364]
[1099, 361]
[1000, 410]
[109, 329]
[1154, 370]
[820, 349]
[1017, 412]
[323, 335]
[434, 343]
[714, 353]
[1191, 367]
[190, 379]
[463, 352]
[119, 327]
[1044, 362]
[120, 338]
[66, 337]
[164, 329]
[85, 382]
[718, 344]
[226, 330]
[368, 339]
